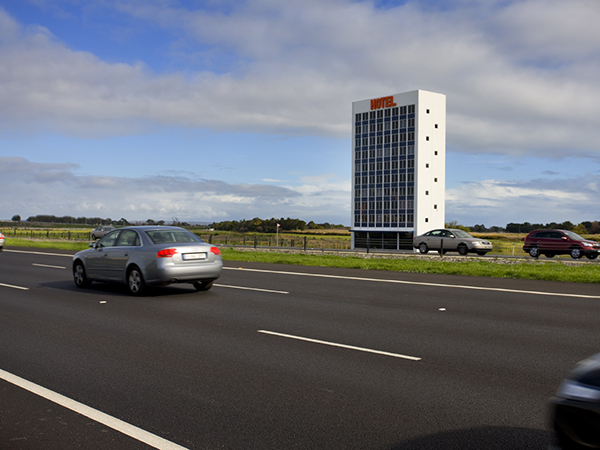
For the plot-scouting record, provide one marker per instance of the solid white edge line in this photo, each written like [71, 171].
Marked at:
[94, 414]
[40, 253]
[250, 289]
[14, 287]
[418, 283]
[48, 266]
[334, 344]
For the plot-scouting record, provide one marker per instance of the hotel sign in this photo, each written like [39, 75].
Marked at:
[383, 102]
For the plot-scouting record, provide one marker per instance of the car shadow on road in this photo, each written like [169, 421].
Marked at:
[480, 438]
[115, 289]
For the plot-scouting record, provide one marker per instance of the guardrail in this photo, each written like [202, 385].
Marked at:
[33, 233]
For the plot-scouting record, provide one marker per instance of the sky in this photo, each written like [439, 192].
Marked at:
[214, 110]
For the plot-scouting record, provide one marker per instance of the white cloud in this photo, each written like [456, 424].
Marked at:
[520, 79]
[33, 188]
[520, 76]
[536, 201]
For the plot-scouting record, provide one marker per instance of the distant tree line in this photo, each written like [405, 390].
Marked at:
[526, 227]
[45, 218]
[582, 228]
[257, 225]
[476, 228]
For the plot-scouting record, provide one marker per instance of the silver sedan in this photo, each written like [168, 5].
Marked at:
[148, 256]
[101, 231]
[451, 240]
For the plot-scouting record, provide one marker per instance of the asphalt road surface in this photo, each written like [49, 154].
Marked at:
[285, 357]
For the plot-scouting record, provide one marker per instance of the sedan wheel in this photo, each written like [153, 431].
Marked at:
[463, 250]
[576, 253]
[135, 282]
[204, 286]
[534, 252]
[423, 248]
[81, 280]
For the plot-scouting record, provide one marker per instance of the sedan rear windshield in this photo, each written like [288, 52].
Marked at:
[172, 236]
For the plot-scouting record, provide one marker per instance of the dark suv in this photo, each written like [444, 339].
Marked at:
[560, 242]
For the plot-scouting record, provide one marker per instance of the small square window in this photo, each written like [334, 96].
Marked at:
[436, 125]
[434, 206]
[426, 138]
[427, 111]
[435, 180]
[435, 153]
[427, 166]
[426, 192]
[426, 219]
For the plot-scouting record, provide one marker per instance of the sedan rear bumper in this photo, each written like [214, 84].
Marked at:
[183, 273]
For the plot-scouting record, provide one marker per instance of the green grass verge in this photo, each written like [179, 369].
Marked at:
[59, 245]
[517, 269]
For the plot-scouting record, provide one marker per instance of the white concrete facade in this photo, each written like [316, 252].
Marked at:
[398, 167]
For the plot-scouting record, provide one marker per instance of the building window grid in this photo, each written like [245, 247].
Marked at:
[396, 209]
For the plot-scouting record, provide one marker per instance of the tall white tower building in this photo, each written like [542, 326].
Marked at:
[398, 168]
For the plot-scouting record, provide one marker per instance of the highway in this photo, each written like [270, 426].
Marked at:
[285, 357]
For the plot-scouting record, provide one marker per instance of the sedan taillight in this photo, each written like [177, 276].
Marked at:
[166, 253]
[215, 250]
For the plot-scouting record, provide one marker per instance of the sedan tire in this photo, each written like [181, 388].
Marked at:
[463, 250]
[423, 248]
[79, 276]
[565, 442]
[204, 285]
[135, 281]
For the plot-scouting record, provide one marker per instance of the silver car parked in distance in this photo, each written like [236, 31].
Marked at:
[451, 240]
[148, 256]
[101, 231]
